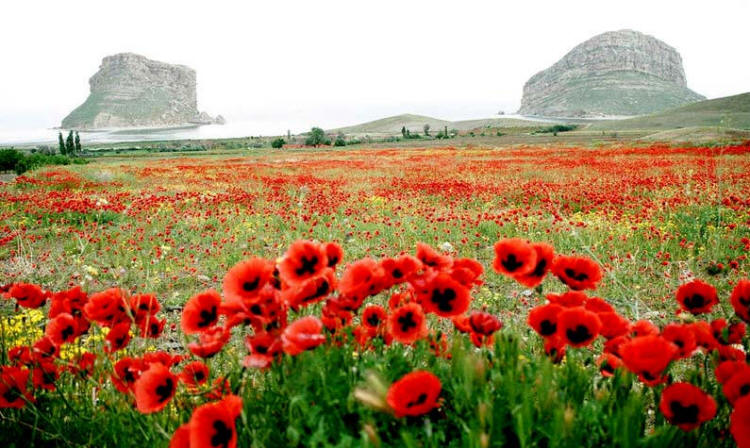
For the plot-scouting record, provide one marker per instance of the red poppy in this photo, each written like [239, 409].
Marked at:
[126, 372]
[303, 260]
[263, 349]
[554, 347]
[71, 301]
[682, 336]
[740, 299]
[152, 327]
[577, 272]
[62, 329]
[44, 375]
[737, 386]
[214, 424]
[44, 350]
[144, 305]
[414, 394]
[570, 299]
[181, 437]
[725, 370]
[154, 388]
[613, 325]
[27, 295]
[467, 271]
[194, 374]
[83, 365]
[361, 279]
[432, 258]
[399, 270]
[644, 328]
[20, 355]
[608, 363]
[163, 357]
[484, 323]
[201, 312]
[302, 334]
[461, 323]
[578, 326]
[333, 317]
[648, 357]
[598, 305]
[613, 345]
[108, 307]
[13, 392]
[334, 254]
[727, 352]
[374, 317]
[725, 333]
[697, 297]
[246, 279]
[445, 296]
[514, 257]
[543, 319]
[312, 290]
[545, 254]
[118, 337]
[210, 342]
[739, 424]
[407, 323]
[686, 406]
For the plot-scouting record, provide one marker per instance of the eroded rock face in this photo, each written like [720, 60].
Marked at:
[615, 73]
[130, 90]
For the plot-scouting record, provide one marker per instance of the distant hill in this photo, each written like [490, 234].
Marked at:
[698, 135]
[728, 112]
[415, 123]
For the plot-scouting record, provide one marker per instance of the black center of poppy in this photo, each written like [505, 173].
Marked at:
[199, 376]
[539, 268]
[397, 273]
[67, 332]
[694, 301]
[373, 320]
[262, 349]
[249, 286]
[683, 414]
[578, 334]
[164, 391]
[307, 265]
[255, 309]
[222, 435]
[322, 290]
[443, 299]
[332, 261]
[648, 376]
[420, 400]
[511, 263]
[577, 276]
[12, 394]
[154, 328]
[744, 390]
[129, 377]
[119, 342]
[407, 322]
[745, 300]
[679, 343]
[207, 317]
[547, 328]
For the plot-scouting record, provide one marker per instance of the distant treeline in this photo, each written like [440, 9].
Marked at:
[19, 162]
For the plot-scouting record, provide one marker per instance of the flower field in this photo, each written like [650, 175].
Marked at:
[473, 297]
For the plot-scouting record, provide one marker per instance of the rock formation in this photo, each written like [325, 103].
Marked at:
[130, 90]
[615, 73]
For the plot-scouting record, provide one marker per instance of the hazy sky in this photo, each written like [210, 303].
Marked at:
[338, 62]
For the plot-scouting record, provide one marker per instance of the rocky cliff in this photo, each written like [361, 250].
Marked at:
[615, 73]
[130, 90]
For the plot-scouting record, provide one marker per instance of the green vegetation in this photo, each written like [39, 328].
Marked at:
[317, 137]
[278, 143]
[17, 161]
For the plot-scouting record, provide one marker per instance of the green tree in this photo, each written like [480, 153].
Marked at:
[69, 145]
[277, 143]
[403, 131]
[9, 158]
[317, 137]
[426, 128]
[61, 142]
[340, 140]
[78, 143]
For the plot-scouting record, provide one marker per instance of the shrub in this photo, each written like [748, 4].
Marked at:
[9, 158]
[340, 141]
[278, 143]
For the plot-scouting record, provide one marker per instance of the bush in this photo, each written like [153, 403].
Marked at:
[278, 143]
[317, 137]
[340, 141]
[9, 158]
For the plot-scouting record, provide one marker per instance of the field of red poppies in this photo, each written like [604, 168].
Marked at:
[467, 297]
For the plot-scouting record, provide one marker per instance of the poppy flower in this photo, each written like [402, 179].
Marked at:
[374, 317]
[407, 323]
[414, 394]
[686, 406]
[194, 374]
[578, 326]
[461, 323]
[445, 296]
[154, 388]
[201, 312]
[697, 297]
[740, 299]
[333, 317]
[682, 336]
[360, 280]
[737, 386]
[613, 325]
[302, 334]
[334, 254]
[44, 350]
[608, 363]
[108, 307]
[728, 352]
[432, 258]
[62, 329]
[310, 291]
[545, 254]
[213, 425]
[598, 305]
[152, 327]
[13, 382]
[725, 333]
[577, 272]
[246, 279]
[613, 345]
[210, 342]
[27, 295]
[569, 299]
[467, 271]
[144, 305]
[644, 328]
[543, 319]
[484, 323]
[554, 347]
[303, 260]
[168, 360]
[118, 337]
[19, 355]
[83, 365]
[44, 375]
[648, 357]
[263, 349]
[126, 372]
[514, 257]
[398, 270]
[739, 422]
[725, 370]
[180, 437]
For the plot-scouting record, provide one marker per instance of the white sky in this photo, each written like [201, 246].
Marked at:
[341, 62]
